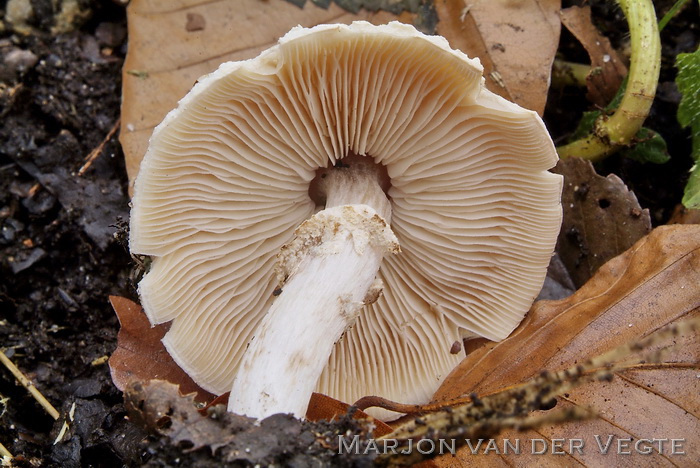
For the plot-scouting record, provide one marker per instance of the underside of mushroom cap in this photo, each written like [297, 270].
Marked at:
[225, 183]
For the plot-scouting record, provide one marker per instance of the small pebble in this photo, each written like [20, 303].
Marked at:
[20, 61]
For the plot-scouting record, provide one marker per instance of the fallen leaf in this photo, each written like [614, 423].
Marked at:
[653, 284]
[475, 421]
[557, 283]
[140, 355]
[683, 215]
[515, 40]
[322, 407]
[158, 406]
[173, 43]
[602, 219]
[280, 439]
[607, 69]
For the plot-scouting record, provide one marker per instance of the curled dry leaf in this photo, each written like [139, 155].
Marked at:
[607, 69]
[141, 356]
[515, 41]
[602, 219]
[653, 284]
[225, 438]
[172, 44]
[158, 406]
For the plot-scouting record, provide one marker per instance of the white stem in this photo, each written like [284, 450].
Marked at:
[328, 273]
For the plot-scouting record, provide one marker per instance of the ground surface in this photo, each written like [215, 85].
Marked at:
[61, 254]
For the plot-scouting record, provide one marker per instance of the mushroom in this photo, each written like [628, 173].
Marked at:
[285, 192]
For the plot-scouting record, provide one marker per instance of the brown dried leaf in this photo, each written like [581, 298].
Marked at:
[607, 69]
[140, 355]
[653, 284]
[557, 283]
[602, 219]
[322, 407]
[158, 406]
[174, 42]
[279, 440]
[683, 215]
[515, 41]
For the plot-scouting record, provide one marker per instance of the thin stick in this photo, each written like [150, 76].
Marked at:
[26, 383]
[4, 453]
[97, 151]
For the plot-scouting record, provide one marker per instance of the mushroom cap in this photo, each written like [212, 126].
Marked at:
[225, 183]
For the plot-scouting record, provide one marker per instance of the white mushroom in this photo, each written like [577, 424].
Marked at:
[388, 127]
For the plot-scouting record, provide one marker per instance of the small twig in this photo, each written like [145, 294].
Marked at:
[97, 151]
[661, 365]
[4, 453]
[487, 415]
[26, 383]
[475, 431]
[374, 401]
[33, 190]
[408, 409]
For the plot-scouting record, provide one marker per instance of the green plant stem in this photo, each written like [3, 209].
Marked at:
[671, 13]
[610, 133]
[569, 73]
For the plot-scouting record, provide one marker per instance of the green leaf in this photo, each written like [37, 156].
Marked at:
[585, 125]
[688, 81]
[650, 147]
[691, 196]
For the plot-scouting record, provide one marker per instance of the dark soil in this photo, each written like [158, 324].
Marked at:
[62, 250]
[60, 97]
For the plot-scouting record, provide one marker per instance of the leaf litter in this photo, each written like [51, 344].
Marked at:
[607, 69]
[140, 355]
[282, 439]
[230, 439]
[515, 42]
[602, 219]
[594, 332]
[651, 286]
